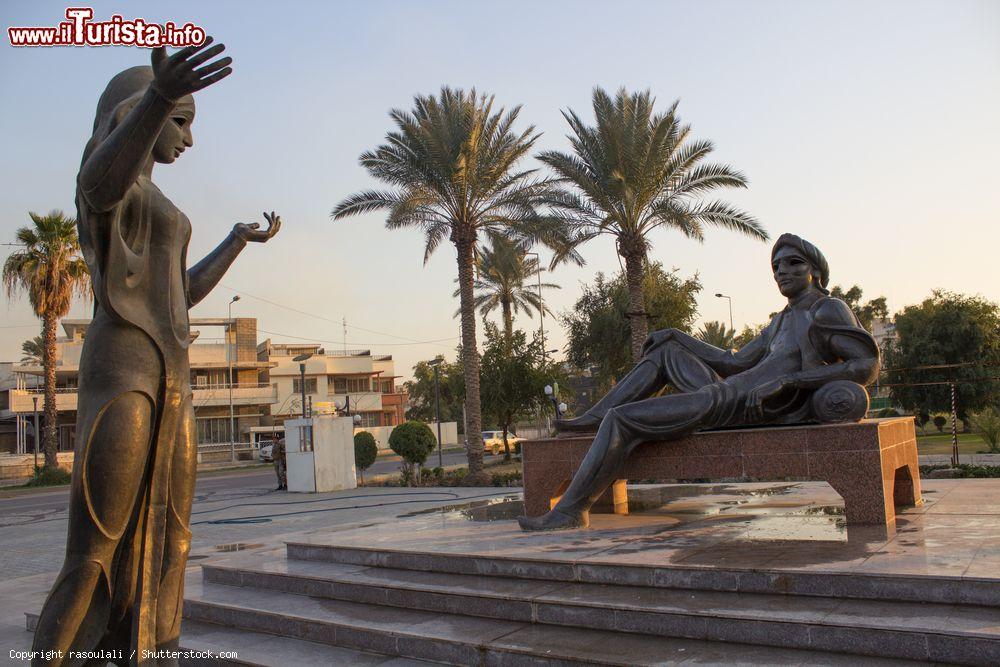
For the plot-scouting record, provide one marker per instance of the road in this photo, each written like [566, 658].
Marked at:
[229, 507]
[39, 504]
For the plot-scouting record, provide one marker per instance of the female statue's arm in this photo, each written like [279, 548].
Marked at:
[723, 362]
[117, 162]
[206, 274]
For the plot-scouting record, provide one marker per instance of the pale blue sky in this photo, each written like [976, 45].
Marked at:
[869, 128]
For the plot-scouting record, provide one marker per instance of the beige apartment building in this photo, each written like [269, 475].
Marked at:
[218, 345]
[264, 392]
[348, 381]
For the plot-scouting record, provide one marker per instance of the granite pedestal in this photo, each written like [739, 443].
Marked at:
[872, 464]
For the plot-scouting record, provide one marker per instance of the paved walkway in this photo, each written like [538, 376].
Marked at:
[254, 517]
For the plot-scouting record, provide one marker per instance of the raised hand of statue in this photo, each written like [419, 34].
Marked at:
[175, 75]
[657, 338]
[253, 233]
[754, 409]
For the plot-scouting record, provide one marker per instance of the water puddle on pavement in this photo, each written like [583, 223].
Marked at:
[491, 509]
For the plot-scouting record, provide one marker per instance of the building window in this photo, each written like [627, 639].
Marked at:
[213, 430]
[387, 387]
[358, 385]
[370, 419]
[350, 385]
[310, 385]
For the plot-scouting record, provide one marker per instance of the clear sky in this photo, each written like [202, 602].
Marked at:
[869, 128]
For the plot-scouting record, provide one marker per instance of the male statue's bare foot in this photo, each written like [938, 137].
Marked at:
[553, 520]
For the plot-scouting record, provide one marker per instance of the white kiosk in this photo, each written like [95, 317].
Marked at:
[319, 452]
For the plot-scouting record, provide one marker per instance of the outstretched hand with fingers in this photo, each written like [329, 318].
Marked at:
[178, 74]
[253, 233]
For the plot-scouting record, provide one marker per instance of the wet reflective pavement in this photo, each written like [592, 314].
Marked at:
[773, 526]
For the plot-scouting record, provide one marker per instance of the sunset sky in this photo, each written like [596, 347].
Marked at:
[869, 128]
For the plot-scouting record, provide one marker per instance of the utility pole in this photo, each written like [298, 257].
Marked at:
[35, 400]
[730, 299]
[954, 427]
[229, 363]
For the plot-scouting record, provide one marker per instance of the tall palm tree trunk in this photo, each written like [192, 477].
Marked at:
[508, 318]
[634, 265]
[470, 359]
[49, 323]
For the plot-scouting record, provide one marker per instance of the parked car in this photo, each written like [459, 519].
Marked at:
[265, 449]
[493, 441]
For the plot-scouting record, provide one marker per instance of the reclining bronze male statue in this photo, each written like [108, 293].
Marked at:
[809, 364]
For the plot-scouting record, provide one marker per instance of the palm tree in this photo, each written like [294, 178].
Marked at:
[636, 171]
[717, 334]
[506, 279]
[451, 164]
[49, 268]
[33, 350]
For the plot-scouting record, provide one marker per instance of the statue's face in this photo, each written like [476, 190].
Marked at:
[175, 137]
[792, 271]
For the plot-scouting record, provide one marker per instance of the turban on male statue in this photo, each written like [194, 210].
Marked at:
[810, 363]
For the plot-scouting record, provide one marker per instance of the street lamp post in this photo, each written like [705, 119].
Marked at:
[35, 401]
[437, 406]
[229, 363]
[730, 299]
[302, 375]
[541, 303]
[552, 391]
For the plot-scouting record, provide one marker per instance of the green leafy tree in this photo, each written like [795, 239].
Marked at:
[598, 327]
[365, 452]
[507, 279]
[635, 171]
[421, 391]
[987, 425]
[413, 441]
[717, 334]
[514, 378]
[868, 311]
[945, 329]
[33, 350]
[49, 268]
[747, 334]
[452, 166]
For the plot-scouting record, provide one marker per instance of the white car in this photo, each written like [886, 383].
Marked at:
[493, 441]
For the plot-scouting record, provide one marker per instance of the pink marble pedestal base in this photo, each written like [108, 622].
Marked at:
[872, 464]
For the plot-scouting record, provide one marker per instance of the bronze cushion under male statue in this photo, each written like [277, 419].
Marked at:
[810, 363]
[121, 587]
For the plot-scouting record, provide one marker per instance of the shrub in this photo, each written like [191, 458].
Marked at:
[413, 441]
[939, 422]
[887, 412]
[45, 476]
[987, 423]
[512, 478]
[365, 452]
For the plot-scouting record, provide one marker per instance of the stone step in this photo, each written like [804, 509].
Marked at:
[919, 631]
[467, 640]
[865, 586]
[256, 649]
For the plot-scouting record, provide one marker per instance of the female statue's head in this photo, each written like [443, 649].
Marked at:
[798, 266]
[122, 93]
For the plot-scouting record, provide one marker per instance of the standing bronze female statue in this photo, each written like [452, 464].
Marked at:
[809, 364]
[121, 587]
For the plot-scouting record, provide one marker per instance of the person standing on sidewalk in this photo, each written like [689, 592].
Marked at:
[280, 468]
